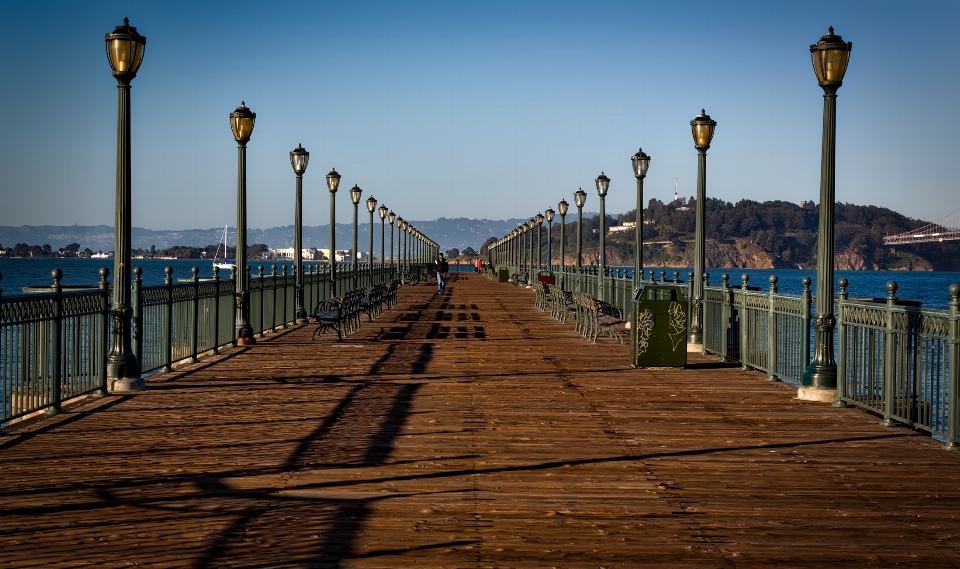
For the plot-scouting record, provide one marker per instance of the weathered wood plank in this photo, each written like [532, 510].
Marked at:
[469, 430]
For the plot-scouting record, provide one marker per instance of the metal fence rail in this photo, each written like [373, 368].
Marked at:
[900, 361]
[53, 346]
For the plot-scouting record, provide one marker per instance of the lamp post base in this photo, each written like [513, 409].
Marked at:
[694, 348]
[245, 336]
[126, 384]
[816, 394]
[303, 320]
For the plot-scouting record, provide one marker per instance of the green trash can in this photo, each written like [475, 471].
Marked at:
[658, 330]
[503, 275]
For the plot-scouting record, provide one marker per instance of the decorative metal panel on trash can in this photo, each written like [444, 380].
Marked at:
[658, 332]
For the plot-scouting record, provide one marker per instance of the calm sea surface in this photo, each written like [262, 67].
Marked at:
[930, 288]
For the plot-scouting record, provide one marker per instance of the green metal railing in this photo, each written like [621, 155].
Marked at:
[761, 330]
[53, 346]
[893, 358]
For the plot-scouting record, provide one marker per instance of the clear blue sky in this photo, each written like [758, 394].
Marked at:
[478, 109]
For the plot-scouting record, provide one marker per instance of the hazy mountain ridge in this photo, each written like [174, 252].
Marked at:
[456, 232]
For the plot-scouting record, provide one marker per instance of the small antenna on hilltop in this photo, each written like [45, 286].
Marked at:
[676, 182]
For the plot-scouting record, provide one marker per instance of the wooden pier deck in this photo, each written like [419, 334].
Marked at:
[469, 430]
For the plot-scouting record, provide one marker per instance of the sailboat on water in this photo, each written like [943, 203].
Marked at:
[225, 264]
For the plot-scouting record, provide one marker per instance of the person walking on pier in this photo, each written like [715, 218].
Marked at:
[441, 267]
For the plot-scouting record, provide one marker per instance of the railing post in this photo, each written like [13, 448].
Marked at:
[168, 320]
[744, 321]
[807, 298]
[233, 307]
[56, 330]
[104, 333]
[727, 317]
[953, 372]
[216, 311]
[889, 353]
[772, 335]
[137, 321]
[195, 327]
[842, 344]
[273, 299]
[283, 311]
[258, 332]
[689, 300]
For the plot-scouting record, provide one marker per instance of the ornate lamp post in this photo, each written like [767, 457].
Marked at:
[298, 159]
[603, 184]
[703, 127]
[830, 56]
[549, 214]
[641, 162]
[382, 211]
[401, 243]
[531, 276]
[391, 218]
[562, 207]
[125, 53]
[355, 194]
[333, 182]
[241, 122]
[539, 219]
[579, 200]
[371, 207]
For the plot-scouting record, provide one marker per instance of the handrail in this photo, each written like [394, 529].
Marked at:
[53, 346]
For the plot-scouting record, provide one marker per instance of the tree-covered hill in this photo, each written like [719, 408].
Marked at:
[774, 234]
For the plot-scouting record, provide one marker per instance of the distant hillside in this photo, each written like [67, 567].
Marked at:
[449, 233]
[774, 234]
[748, 234]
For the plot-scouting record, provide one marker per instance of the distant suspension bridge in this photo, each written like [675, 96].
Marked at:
[946, 229]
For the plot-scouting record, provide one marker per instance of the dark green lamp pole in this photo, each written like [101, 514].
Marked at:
[531, 271]
[125, 53]
[562, 207]
[298, 159]
[702, 127]
[641, 162]
[371, 207]
[539, 219]
[355, 194]
[333, 182]
[603, 185]
[401, 232]
[549, 215]
[579, 200]
[391, 218]
[241, 123]
[524, 256]
[382, 212]
[830, 56]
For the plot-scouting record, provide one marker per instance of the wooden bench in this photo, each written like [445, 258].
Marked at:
[340, 314]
